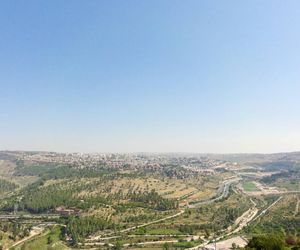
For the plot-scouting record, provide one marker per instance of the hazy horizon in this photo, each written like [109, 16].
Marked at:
[154, 153]
[150, 76]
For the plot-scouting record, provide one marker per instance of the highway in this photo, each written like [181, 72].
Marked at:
[265, 210]
[28, 216]
[221, 193]
[248, 217]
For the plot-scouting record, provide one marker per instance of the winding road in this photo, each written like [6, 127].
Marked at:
[142, 225]
[222, 192]
[241, 222]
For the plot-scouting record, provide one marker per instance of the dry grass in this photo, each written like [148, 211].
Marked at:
[169, 188]
[6, 168]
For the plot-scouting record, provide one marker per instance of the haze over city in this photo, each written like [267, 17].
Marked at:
[150, 76]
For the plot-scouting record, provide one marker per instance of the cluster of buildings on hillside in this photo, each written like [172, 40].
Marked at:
[130, 161]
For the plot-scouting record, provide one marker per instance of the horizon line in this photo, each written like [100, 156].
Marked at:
[148, 152]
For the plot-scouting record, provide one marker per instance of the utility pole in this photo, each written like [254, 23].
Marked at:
[214, 228]
[214, 239]
[215, 244]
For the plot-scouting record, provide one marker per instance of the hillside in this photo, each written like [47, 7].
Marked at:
[134, 200]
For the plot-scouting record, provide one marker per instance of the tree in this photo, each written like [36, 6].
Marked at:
[118, 245]
[207, 233]
[267, 242]
[166, 246]
[49, 240]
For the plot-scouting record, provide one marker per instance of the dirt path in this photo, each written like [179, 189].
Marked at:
[128, 244]
[152, 222]
[265, 210]
[34, 232]
[148, 242]
[239, 224]
[97, 244]
[152, 242]
[223, 192]
[142, 225]
[244, 220]
[227, 244]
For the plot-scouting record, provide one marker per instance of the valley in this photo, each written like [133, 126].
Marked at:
[163, 201]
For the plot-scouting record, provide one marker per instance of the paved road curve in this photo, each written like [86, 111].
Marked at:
[222, 193]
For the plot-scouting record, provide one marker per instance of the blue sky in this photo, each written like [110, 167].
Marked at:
[156, 76]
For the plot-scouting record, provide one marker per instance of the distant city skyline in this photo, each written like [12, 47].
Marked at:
[150, 76]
